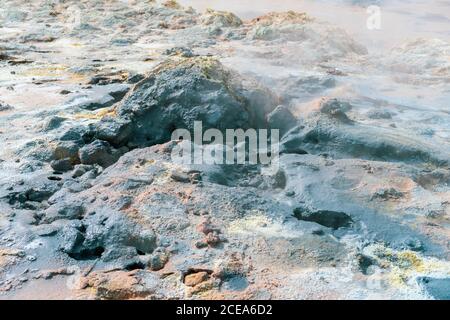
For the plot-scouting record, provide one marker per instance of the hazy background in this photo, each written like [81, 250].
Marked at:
[400, 20]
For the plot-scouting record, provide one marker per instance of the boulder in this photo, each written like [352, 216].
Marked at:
[281, 118]
[98, 152]
[62, 165]
[181, 91]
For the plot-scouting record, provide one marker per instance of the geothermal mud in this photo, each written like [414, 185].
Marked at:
[92, 205]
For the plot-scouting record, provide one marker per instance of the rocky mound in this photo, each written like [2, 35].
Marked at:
[330, 130]
[179, 92]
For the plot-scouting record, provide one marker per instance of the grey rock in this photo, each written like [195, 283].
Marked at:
[122, 257]
[365, 262]
[281, 118]
[98, 103]
[177, 93]
[62, 165]
[105, 97]
[67, 149]
[387, 194]
[5, 107]
[98, 152]
[336, 109]
[135, 78]
[69, 211]
[107, 235]
[52, 123]
[46, 230]
[414, 244]
[145, 241]
[115, 131]
[76, 133]
[179, 176]
[327, 218]
[38, 190]
[39, 195]
[80, 170]
[181, 51]
[158, 260]
[70, 238]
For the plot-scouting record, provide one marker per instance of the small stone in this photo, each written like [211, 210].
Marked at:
[158, 261]
[194, 279]
[327, 218]
[62, 165]
[5, 107]
[365, 263]
[46, 230]
[336, 109]
[64, 211]
[98, 152]
[387, 194]
[282, 119]
[179, 51]
[201, 244]
[195, 177]
[135, 78]
[200, 212]
[180, 176]
[67, 149]
[145, 241]
[80, 170]
[7, 287]
[213, 239]
[207, 227]
[318, 232]
[414, 244]
[52, 123]
[290, 193]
